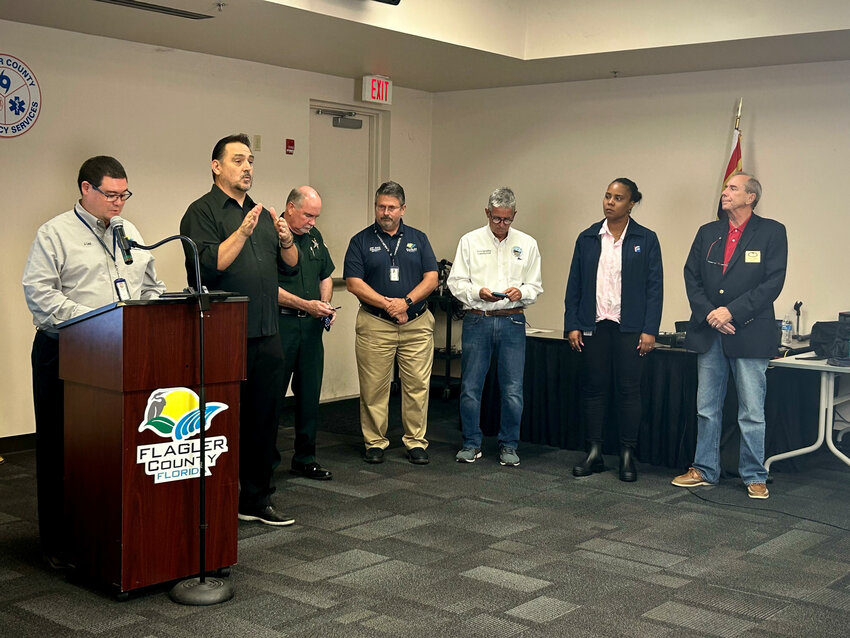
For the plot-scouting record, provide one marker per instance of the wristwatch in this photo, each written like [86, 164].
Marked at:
[409, 301]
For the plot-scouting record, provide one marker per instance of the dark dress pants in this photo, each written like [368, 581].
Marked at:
[258, 419]
[303, 362]
[611, 358]
[49, 402]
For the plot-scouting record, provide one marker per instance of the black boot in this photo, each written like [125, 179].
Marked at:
[628, 472]
[592, 463]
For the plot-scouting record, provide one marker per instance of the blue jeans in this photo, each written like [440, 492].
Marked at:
[483, 337]
[749, 374]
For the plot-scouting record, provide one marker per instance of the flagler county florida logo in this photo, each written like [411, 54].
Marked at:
[20, 97]
[174, 414]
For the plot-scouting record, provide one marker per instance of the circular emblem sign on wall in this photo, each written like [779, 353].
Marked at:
[20, 97]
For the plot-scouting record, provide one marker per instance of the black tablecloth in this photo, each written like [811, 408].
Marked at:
[552, 415]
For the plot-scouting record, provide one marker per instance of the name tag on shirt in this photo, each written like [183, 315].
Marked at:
[752, 257]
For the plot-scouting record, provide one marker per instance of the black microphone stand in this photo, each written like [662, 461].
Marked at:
[200, 590]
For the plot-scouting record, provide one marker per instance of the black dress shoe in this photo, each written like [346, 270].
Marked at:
[374, 455]
[311, 471]
[628, 472]
[268, 515]
[418, 456]
[593, 462]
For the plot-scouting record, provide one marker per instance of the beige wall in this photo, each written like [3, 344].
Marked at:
[560, 145]
[159, 112]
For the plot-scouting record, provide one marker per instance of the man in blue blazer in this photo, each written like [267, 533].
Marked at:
[734, 273]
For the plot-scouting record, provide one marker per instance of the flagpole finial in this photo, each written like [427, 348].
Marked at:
[738, 116]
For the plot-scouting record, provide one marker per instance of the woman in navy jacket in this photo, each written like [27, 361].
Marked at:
[612, 311]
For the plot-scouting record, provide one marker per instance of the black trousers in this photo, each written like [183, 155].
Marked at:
[49, 401]
[303, 362]
[612, 374]
[259, 413]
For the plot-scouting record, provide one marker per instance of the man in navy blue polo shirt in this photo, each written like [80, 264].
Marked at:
[391, 269]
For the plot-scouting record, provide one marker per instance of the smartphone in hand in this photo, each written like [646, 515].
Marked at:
[500, 295]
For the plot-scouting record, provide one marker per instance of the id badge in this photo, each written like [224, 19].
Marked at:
[121, 289]
[393, 273]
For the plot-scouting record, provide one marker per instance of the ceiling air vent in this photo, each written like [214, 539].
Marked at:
[158, 8]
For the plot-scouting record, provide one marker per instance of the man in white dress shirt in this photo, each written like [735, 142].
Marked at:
[74, 266]
[495, 275]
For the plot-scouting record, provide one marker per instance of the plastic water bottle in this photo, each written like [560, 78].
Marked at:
[787, 328]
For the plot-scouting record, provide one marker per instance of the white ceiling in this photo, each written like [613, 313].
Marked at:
[286, 36]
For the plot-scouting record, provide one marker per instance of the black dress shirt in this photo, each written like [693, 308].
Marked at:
[208, 222]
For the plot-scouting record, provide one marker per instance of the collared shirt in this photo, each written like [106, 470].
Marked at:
[314, 265]
[732, 240]
[609, 275]
[212, 219]
[68, 271]
[372, 252]
[482, 261]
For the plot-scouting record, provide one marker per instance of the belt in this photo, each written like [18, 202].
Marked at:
[504, 312]
[292, 312]
[411, 314]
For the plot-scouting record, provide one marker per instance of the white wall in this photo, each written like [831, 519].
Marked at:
[159, 112]
[560, 145]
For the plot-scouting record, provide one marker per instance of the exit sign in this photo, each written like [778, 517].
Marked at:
[377, 88]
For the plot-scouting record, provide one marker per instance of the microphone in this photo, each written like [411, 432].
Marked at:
[117, 224]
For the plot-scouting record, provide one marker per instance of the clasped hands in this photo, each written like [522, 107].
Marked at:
[721, 320]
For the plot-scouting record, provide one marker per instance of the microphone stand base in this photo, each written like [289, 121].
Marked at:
[193, 592]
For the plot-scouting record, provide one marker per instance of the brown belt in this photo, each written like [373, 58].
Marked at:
[504, 312]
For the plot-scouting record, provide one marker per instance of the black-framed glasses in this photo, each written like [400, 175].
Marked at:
[111, 197]
[507, 221]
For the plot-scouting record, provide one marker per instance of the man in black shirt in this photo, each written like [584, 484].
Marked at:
[242, 247]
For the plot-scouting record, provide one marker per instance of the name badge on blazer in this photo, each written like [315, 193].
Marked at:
[752, 257]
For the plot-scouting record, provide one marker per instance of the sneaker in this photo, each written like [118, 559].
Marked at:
[691, 478]
[374, 455]
[268, 515]
[508, 456]
[468, 455]
[418, 456]
[757, 490]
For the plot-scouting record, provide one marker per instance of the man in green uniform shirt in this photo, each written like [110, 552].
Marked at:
[304, 298]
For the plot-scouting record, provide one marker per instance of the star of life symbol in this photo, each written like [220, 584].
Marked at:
[20, 97]
[174, 414]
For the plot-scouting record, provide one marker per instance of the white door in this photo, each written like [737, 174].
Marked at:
[341, 165]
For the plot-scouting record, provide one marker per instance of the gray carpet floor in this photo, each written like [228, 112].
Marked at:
[452, 549]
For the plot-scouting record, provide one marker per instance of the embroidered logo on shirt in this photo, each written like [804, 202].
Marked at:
[483, 252]
[517, 252]
[637, 249]
[374, 249]
[411, 247]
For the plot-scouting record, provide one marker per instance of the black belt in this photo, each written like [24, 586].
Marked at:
[292, 312]
[411, 314]
[502, 312]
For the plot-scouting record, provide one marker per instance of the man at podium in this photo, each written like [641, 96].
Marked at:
[75, 266]
[242, 248]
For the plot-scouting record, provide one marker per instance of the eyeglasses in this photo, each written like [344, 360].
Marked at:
[111, 197]
[387, 209]
[708, 254]
[507, 221]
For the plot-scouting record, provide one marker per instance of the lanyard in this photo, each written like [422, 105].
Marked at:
[387, 248]
[100, 241]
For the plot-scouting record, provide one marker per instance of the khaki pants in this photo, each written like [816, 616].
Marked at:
[377, 344]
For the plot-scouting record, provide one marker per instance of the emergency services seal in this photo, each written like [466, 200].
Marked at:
[20, 97]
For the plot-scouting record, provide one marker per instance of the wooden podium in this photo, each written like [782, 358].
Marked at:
[132, 492]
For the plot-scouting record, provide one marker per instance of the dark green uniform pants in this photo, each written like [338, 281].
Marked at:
[303, 362]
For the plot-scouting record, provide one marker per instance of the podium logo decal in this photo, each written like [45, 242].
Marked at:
[174, 414]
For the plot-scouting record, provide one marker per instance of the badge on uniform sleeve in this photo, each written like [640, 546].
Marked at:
[752, 257]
